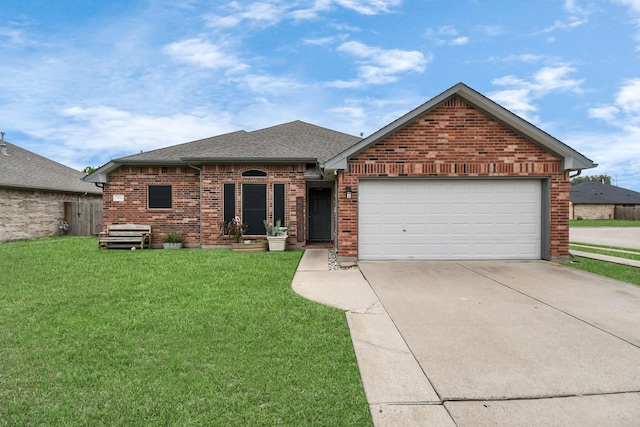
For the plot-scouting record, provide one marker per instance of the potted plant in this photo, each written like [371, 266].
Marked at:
[172, 240]
[236, 229]
[276, 236]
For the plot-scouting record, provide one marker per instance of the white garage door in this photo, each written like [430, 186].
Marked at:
[449, 219]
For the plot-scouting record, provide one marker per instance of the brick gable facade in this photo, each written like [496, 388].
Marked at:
[453, 140]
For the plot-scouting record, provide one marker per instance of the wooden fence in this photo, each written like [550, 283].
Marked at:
[84, 217]
[630, 213]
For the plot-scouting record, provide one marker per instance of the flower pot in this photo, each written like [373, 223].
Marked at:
[252, 246]
[277, 243]
[172, 245]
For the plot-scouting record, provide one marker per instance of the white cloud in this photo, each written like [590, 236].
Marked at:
[492, 30]
[519, 95]
[525, 57]
[634, 5]
[617, 153]
[321, 41]
[517, 101]
[607, 113]
[268, 13]
[12, 37]
[628, 99]
[624, 112]
[118, 132]
[257, 13]
[204, 54]
[578, 16]
[446, 35]
[269, 84]
[369, 7]
[380, 66]
[571, 22]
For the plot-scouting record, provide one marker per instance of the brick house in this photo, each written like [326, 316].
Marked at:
[459, 177]
[596, 200]
[38, 194]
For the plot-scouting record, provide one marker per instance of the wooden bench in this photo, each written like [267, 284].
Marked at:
[125, 236]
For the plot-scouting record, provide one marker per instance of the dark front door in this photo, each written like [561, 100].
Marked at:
[319, 214]
[254, 207]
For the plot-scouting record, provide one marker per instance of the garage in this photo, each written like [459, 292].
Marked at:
[450, 219]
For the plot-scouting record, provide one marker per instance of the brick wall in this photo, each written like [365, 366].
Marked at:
[454, 140]
[593, 211]
[215, 176]
[131, 184]
[184, 217]
[28, 214]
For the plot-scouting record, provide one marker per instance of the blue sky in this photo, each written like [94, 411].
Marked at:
[84, 82]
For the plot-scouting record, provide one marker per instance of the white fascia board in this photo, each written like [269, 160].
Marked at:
[101, 174]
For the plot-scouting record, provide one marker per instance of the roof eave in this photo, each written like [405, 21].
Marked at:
[53, 189]
[247, 160]
[100, 175]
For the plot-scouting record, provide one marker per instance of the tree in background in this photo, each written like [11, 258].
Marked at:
[591, 178]
[89, 169]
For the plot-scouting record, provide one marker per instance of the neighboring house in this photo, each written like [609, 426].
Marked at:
[36, 193]
[459, 177]
[596, 200]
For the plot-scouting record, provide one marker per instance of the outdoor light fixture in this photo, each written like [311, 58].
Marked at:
[349, 192]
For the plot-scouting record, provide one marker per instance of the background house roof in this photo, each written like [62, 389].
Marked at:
[20, 168]
[599, 193]
[572, 159]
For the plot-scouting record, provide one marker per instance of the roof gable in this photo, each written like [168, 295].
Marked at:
[20, 168]
[599, 193]
[572, 160]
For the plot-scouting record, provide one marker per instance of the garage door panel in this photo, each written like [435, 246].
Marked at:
[450, 219]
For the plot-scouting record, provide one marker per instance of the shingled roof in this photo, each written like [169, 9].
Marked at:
[599, 193]
[294, 141]
[23, 169]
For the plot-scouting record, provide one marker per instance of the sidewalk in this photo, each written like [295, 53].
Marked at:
[608, 258]
[397, 390]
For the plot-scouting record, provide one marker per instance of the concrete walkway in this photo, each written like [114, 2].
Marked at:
[608, 258]
[397, 390]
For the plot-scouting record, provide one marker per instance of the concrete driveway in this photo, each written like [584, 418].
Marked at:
[517, 343]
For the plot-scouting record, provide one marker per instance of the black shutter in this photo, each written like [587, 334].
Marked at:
[229, 202]
[278, 204]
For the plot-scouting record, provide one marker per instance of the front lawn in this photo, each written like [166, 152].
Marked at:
[624, 273]
[172, 338]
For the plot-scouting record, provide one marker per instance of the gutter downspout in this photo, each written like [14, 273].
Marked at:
[336, 219]
[199, 204]
[578, 172]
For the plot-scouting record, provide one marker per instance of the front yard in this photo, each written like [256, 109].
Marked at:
[156, 337]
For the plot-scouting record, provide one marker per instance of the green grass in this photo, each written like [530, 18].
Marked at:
[623, 273]
[172, 338]
[603, 223]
